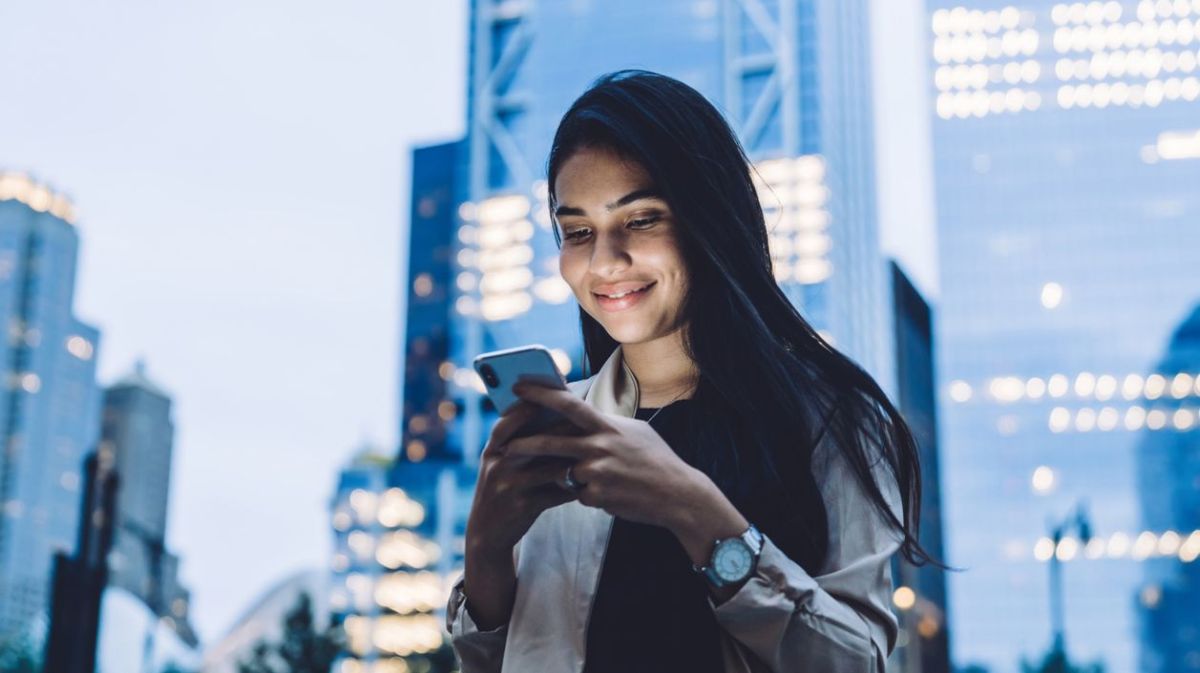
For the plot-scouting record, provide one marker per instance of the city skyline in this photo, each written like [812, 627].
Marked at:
[184, 189]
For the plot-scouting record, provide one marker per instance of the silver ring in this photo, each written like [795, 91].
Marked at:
[569, 480]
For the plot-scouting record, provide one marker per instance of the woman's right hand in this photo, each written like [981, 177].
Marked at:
[510, 493]
[512, 490]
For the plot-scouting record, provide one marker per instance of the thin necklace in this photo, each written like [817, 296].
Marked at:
[665, 406]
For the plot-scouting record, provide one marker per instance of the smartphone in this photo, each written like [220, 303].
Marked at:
[533, 363]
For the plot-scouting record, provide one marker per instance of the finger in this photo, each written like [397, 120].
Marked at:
[564, 446]
[545, 497]
[536, 472]
[570, 405]
[514, 417]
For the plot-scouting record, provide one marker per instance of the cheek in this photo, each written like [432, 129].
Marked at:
[572, 267]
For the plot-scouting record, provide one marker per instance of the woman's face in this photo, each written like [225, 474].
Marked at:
[620, 246]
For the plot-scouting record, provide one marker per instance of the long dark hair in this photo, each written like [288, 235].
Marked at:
[769, 384]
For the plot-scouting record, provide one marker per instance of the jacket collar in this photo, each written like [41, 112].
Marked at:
[614, 388]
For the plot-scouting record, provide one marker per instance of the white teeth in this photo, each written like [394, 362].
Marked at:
[618, 296]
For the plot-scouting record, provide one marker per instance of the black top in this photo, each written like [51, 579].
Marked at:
[651, 610]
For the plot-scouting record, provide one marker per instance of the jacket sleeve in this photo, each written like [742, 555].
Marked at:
[839, 620]
[479, 651]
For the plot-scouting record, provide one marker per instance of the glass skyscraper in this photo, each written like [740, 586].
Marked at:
[398, 527]
[136, 426]
[1067, 160]
[49, 403]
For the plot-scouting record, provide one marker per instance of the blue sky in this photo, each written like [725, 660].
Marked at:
[241, 172]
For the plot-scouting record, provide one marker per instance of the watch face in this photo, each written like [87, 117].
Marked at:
[732, 560]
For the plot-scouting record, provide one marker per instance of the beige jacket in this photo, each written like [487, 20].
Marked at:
[781, 620]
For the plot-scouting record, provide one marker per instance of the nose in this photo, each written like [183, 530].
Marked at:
[610, 255]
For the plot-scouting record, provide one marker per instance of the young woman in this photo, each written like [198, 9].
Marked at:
[730, 489]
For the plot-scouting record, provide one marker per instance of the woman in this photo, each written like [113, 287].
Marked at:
[730, 489]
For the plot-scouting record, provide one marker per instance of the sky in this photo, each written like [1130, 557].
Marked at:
[241, 171]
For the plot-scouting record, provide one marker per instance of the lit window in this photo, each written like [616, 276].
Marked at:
[80, 347]
[1108, 418]
[1035, 388]
[562, 361]
[1007, 388]
[1044, 549]
[1135, 417]
[1085, 384]
[423, 285]
[1057, 385]
[904, 598]
[1144, 545]
[1168, 543]
[1052, 293]
[1067, 548]
[1156, 384]
[416, 450]
[1043, 479]
[1181, 385]
[31, 383]
[1132, 388]
[1118, 545]
[1060, 419]
[1085, 419]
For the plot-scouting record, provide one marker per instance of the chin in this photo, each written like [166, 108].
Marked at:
[627, 333]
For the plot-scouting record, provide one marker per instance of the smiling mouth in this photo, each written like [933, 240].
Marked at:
[621, 295]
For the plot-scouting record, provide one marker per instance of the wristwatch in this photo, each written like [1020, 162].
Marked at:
[733, 559]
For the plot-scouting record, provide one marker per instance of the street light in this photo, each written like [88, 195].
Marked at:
[1078, 522]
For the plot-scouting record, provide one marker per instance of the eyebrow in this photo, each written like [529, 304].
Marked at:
[637, 195]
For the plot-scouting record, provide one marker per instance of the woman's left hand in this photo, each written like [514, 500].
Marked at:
[628, 469]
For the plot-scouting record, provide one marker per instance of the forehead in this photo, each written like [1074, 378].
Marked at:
[593, 173]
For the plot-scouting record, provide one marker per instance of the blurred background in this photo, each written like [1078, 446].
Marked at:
[248, 250]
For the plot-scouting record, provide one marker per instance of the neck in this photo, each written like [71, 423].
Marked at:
[663, 370]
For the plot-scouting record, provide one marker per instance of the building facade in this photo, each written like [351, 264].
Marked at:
[1067, 154]
[398, 529]
[427, 410]
[1169, 489]
[136, 426]
[49, 404]
[920, 595]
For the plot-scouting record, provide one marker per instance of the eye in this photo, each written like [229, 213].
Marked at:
[576, 234]
[644, 222]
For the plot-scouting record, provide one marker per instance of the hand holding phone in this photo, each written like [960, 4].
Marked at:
[534, 364]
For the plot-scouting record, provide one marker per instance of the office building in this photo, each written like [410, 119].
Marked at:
[1169, 489]
[920, 594]
[1066, 158]
[49, 406]
[427, 411]
[136, 426]
[398, 529]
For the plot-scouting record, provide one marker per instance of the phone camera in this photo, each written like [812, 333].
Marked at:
[489, 376]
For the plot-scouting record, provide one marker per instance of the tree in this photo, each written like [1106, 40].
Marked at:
[304, 648]
[1056, 661]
